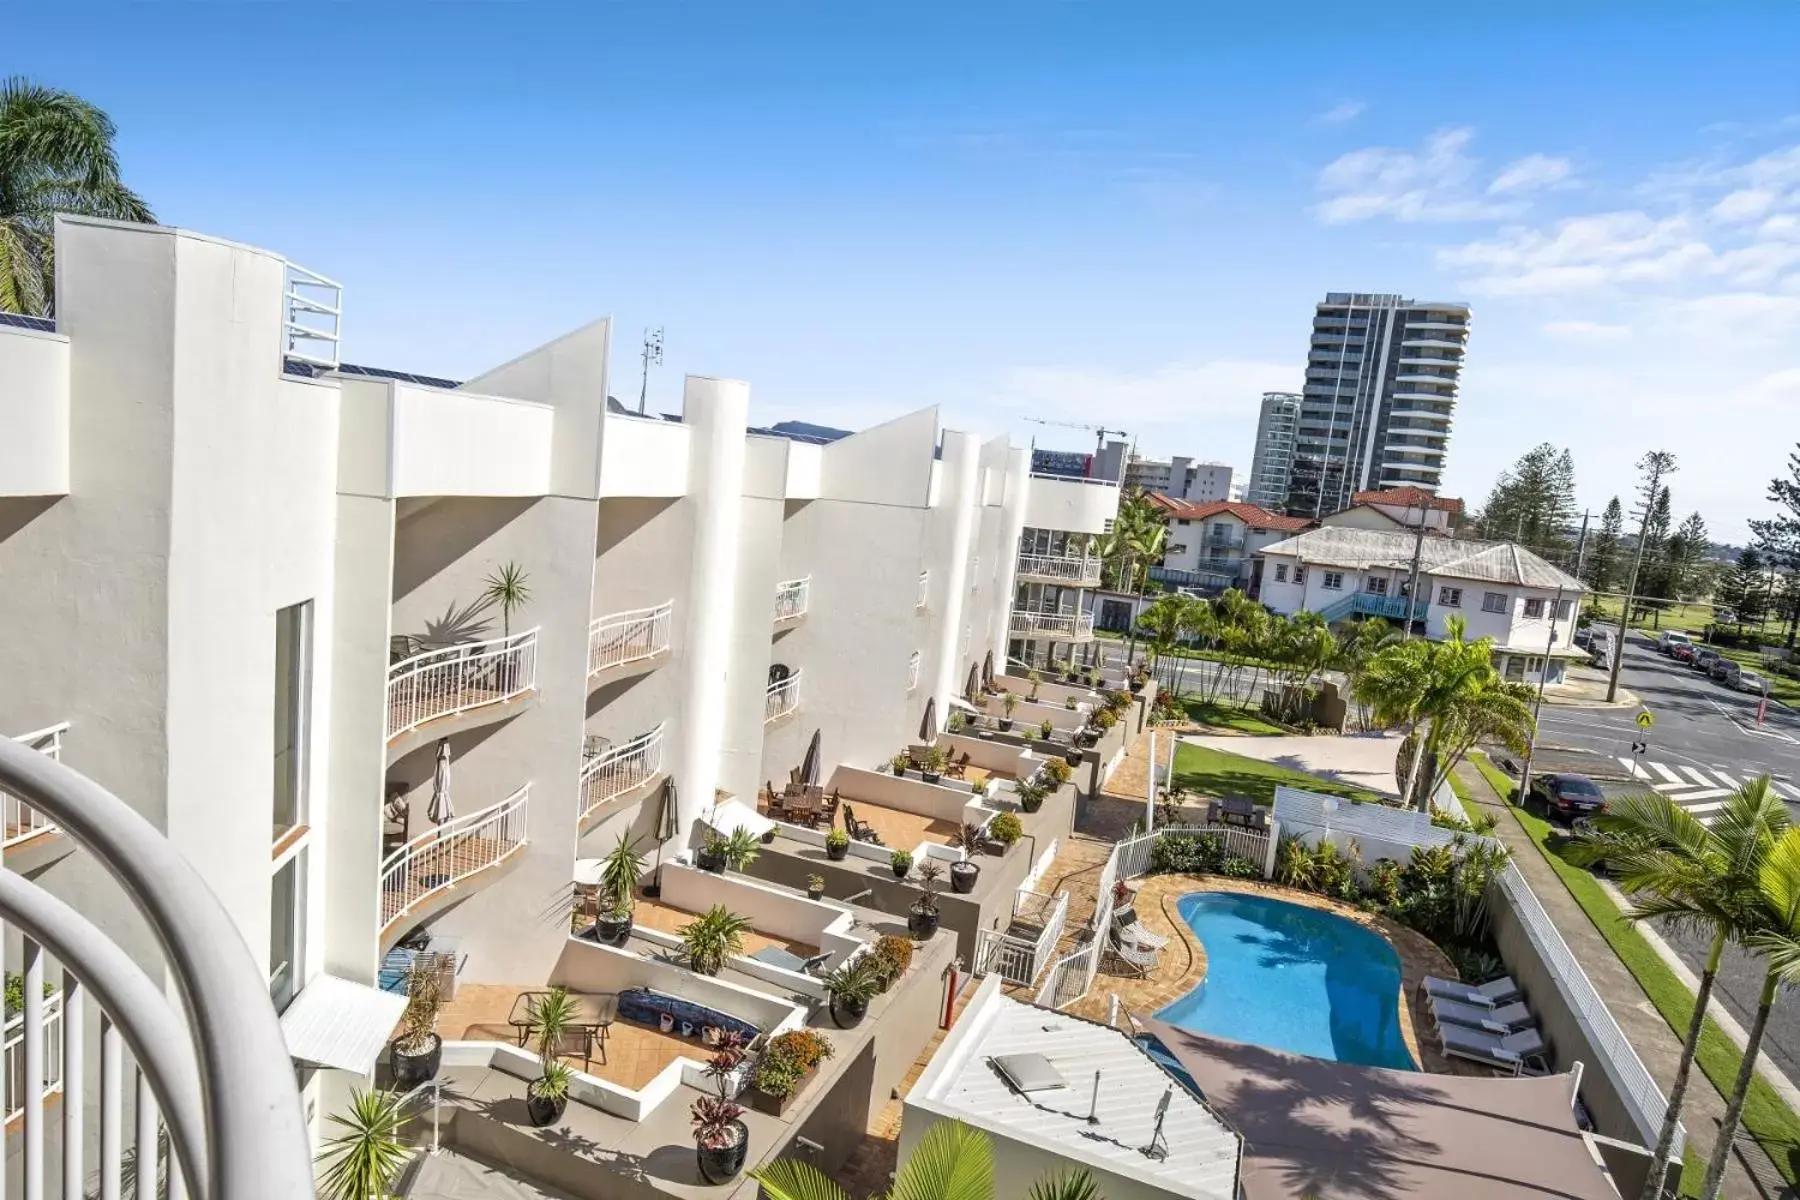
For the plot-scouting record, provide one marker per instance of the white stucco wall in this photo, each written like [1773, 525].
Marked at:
[34, 412]
[1078, 506]
[458, 443]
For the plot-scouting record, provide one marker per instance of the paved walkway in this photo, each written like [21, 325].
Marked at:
[1657, 1044]
[1585, 687]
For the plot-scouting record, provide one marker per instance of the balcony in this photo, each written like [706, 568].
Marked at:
[1427, 413]
[621, 639]
[791, 599]
[1072, 627]
[1068, 570]
[433, 863]
[1430, 344]
[51, 1071]
[19, 822]
[781, 699]
[924, 589]
[912, 671]
[618, 770]
[454, 679]
[1225, 541]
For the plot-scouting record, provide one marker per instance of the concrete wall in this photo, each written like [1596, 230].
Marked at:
[34, 413]
[458, 443]
[1076, 506]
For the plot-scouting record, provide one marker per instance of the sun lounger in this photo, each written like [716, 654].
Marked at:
[1507, 1018]
[1509, 1053]
[1488, 995]
[1127, 923]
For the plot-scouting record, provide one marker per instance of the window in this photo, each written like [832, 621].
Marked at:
[1178, 548]
[1280, 572]
[293, 696]
[1450, 597]
[1562, 609]
[1494, 602]
[1221, 528]
[1375, 586]
[1333, 581]
[1184, 522]
[1299, 574]
[287, 927]
[1534, 608]
[1514, 668]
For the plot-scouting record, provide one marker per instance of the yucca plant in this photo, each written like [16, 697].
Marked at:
[510, 588]
[710, 939]
[363, 1162]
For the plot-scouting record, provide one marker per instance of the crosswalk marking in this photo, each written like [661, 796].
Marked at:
[1702, 791]
[1668, 775]
[1786, 791]
[1697, 775]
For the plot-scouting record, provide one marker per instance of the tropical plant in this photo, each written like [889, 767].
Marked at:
[740, 848]
[552, 1083]
[1699, 879]
[899, 763]
[711, 938]
[510, 588]
[1037, 679]
[715, 1117]
[930, 883]
[56, 156]
[815, 883]
[951, 1162]
[787, 1059]
[936, 759]
[1006, 829]
[837, 839]
[1009, 701]
[1059, 770]
[901, 861]
[1046, 729]
[424, 998]
[363, 1162]
[549, 1019]
[856, 981]
[620, 871]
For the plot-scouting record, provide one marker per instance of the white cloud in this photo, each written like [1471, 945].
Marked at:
[1343, 112]
[1745, 204]
[1430, 184]
[1588, 331]
[1530, 173]
[1579, 254]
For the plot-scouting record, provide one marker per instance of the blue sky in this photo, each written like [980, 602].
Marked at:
[1094, 212]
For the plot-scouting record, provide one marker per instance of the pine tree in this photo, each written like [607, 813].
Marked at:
[1779, 538]
[1533, 501]
[1744, 589]
[1682, 556]
[1602, 570]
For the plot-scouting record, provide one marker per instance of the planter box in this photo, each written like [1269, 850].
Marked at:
[775, 1106]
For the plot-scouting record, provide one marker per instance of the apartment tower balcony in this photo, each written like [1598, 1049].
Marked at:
[781, 699]
[791, 597]
[627, 642]
[1066, 570]
[474, 677]
[1054, 627]
[444, 862]
[623, 770]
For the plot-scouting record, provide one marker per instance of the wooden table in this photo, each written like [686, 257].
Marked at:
[594, 1014]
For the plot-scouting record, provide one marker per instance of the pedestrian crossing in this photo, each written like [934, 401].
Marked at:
[1702, 791]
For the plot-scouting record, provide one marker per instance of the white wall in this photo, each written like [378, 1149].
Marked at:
[34, 412]
[458, 443]
[1077, 506]
[643, 456]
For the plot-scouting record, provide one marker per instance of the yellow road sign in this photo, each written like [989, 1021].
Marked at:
[1646, 719]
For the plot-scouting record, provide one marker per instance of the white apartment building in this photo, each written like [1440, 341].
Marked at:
[246, 587]
[1277, 425]
[1500, 590]
[1181, 477]
[1213, 545]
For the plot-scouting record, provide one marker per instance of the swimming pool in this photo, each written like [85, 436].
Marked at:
[1293, 978]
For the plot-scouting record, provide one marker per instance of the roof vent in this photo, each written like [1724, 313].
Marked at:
[1028, 1073]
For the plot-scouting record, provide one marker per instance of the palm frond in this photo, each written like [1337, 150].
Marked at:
[786, 1179]
[951, 1162]
[1076, 1185]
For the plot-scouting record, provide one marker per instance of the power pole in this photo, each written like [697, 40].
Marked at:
[1537, 706]
[1581, 547]
[653, 347]
[1654, 465]
[1412, 585]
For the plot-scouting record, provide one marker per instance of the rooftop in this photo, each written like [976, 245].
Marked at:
[1455, 558]
[1253, 515]
[1408, 497]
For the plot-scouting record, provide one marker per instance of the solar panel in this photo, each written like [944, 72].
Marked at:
[398, 376]
[25, 321]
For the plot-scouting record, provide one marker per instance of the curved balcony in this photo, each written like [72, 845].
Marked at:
[217, 1078]
[623, 639]
[1068, 570]
[791, 598]
[19, 822]
[1439, 397]
[453, 679]
[1055, 627]
[1429, 343]
[1447, 380]
[781, 698]
[440, 858]
[924, 589]
[619, 770]
[1428, 413]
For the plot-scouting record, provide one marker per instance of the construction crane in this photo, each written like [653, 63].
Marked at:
[1098, 431]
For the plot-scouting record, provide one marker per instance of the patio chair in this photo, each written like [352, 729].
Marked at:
[774, 805]
[860, 831]
[1491, 994]
[828, 810]
[1508, 1018]
[1512, 1053]
[958, 768]
[802, 809]
[1136, 959]
[1126, 922]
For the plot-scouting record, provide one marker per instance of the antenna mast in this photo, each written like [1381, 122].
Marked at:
[653, 347]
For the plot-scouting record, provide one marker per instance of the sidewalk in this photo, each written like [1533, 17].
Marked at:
[1655, 1042]
[1585, 687]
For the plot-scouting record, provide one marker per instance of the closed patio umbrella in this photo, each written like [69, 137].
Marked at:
[668, 825]
[973, 688]
[809, 766]
[987, 671]
[928, 723]
[441, 810]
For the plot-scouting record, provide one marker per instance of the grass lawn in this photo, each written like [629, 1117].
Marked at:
[1230, 716]
[1766, 1116]
[1780, 686]
[1217, 773]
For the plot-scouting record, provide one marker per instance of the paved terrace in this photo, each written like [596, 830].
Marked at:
[899, 830]
[633, 1056]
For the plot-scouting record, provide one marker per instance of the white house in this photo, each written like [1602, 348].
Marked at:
[1213, 545]
[1500, 590]
[1398, 508]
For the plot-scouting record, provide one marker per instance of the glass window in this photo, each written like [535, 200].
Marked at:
[1376, 585]
[1450, 597]
[287, 922]
[1280, 572]
[1299, 574]
[1534, 607]
[1562, 609]
[1334, 580]
[1494, 602]
[293, 696]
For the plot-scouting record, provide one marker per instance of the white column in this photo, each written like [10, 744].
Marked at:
[1018, 485]
[717, 410]
[962, 475]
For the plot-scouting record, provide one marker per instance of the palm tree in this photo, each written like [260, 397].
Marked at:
[1358, 642]
[364, 1161]
[1777, 939]
[1704, 880]
[951, 1162]
[56, 155]
[510, 588]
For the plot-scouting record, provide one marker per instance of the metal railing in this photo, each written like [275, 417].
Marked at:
[51, 1079]
[311, 308]
[1030, 624]
[781, 698]
[791, 597]
[216, 1078]
[912, 671]
[614, 772]
[1078, 570]
[627, 637]
[1001, 954]
[19, 822]
[439, 683]
[439, 858]
[924, 588]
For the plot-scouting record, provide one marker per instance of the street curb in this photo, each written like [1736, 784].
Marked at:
[1771, 1074]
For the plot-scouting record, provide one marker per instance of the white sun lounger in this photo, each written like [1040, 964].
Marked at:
[1509, 1053]
[1507, 1018]
[1489, 995]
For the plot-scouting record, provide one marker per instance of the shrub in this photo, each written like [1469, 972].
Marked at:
[1059, 770]
[1187, 853]
[901, 861]
[1006, 829]
[786, 1060]
[891, 956]
[1236, 866]
[1480, 823]
[1384, 882]
[1475, 966]
[1106, 719]
[837, 838]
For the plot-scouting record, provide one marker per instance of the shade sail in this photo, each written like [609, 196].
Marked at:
[336, 1023]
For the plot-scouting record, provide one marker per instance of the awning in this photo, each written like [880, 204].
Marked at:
[336, 1023]
[959, 702]
[731, 816]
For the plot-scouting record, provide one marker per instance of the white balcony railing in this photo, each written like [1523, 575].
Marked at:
[439, 858]
[455, 679]
[311, 307]
[912, 671]
[924, 589]
[1053, 625]
[52, 1079]
[628, 637]
[19, 822]
[618, 769]
[782, 698]
[791, 597]
[1070, 569]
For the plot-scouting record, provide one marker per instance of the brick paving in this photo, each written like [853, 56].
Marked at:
[870, 1167]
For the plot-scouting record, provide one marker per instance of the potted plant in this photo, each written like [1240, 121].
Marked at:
[1008, 702]
[1069, 703]
[957, 722]
[922, 915]
[782, 1072]
[892, 955]
[1005, 829]
[1058, 770]
[1072, 755]
[711, 855]
[367, 1158]
[721, 1140]
[551, 1017]
[901, 862]
[1106, 719]
[899, 763]
[416, 1053]
[851, 987]
[1031, 795]
[815, 887]
[964, 874]
[1037, 679]
[1045, 730]
[619, 874]
[740, 849]
[837, 845]
[510, 588]
[936, 759]
[708, 940]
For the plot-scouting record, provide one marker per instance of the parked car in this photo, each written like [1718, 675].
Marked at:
[1750, 681]
[1567, 797]
[1672, 638]
[1600, 648]
[1684, 654]
[1703, 659]
[1584, 636]
[1724, 671]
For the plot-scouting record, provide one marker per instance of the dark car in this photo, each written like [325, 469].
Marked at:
[1568, 797]
[1703, 659]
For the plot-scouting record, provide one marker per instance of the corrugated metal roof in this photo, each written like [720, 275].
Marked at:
[1203, 1152]
[336, 1023]
[1454, 558]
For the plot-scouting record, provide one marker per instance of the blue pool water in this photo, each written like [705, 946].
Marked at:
[1294, 978]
